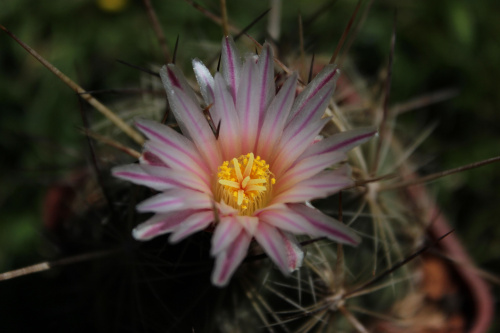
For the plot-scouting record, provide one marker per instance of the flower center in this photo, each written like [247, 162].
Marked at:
[244, 183]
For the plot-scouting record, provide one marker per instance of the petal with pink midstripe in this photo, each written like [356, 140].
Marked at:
[319, 186]
[160, 224]
[289, 151]
[188, 112]
[326, 225]
[307, 168]
[227, 261]
[225, 112]
[177, 160]
[275, 117]
[231, 65]
[194, 223]
[343, 141]
[247, 104]
[311, 113]
[174, 200]
[173, 142]
[283, 218]
[226, 231]
[327, 77]
[172, 77]
[273, 244]
[267, 87]
[158, 178]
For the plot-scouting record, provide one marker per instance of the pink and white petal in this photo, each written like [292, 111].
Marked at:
[231, 65]
[290, 151]
[173, 77]
[225, 209]
[283, 218]
[327, 77]
[302, 193]
[343, 141]
[320, 186]
[177, 160]
[225, 232]
[148, 158]
[267, 91]
[174, 200]
[180, 178]
[275, 117]
[304, 122]
[294, 252]
[173, 142]
[227, 261]
[310, 114]
[160, 224]
[326, 225]
[249, 223]
[191, 225]
[225, 112]
[307, 168]
[205, 81]
[247, 105]
[136, 174]
[158, 178]
[188, 112]
[273, 244]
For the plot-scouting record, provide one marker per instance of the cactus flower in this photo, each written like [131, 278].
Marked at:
[251, 179]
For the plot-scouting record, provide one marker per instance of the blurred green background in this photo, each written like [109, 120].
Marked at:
[445, 44]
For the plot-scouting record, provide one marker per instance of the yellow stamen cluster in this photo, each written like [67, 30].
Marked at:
[244, 183]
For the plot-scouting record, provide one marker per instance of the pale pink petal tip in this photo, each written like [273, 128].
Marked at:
[267, 86]
[295, 255]
[205, 81]
[343, 141]
[159, 224]
[231, 64]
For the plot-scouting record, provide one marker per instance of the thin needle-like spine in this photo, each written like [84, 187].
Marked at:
[345, 33]
[339, 266]
[44, 266]
[385, 115]
[355, 32]
[157, 29]
[225, 24]
[438, 175]
[302, 51]
[211, 16]
[110, 142]
[396, 266]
